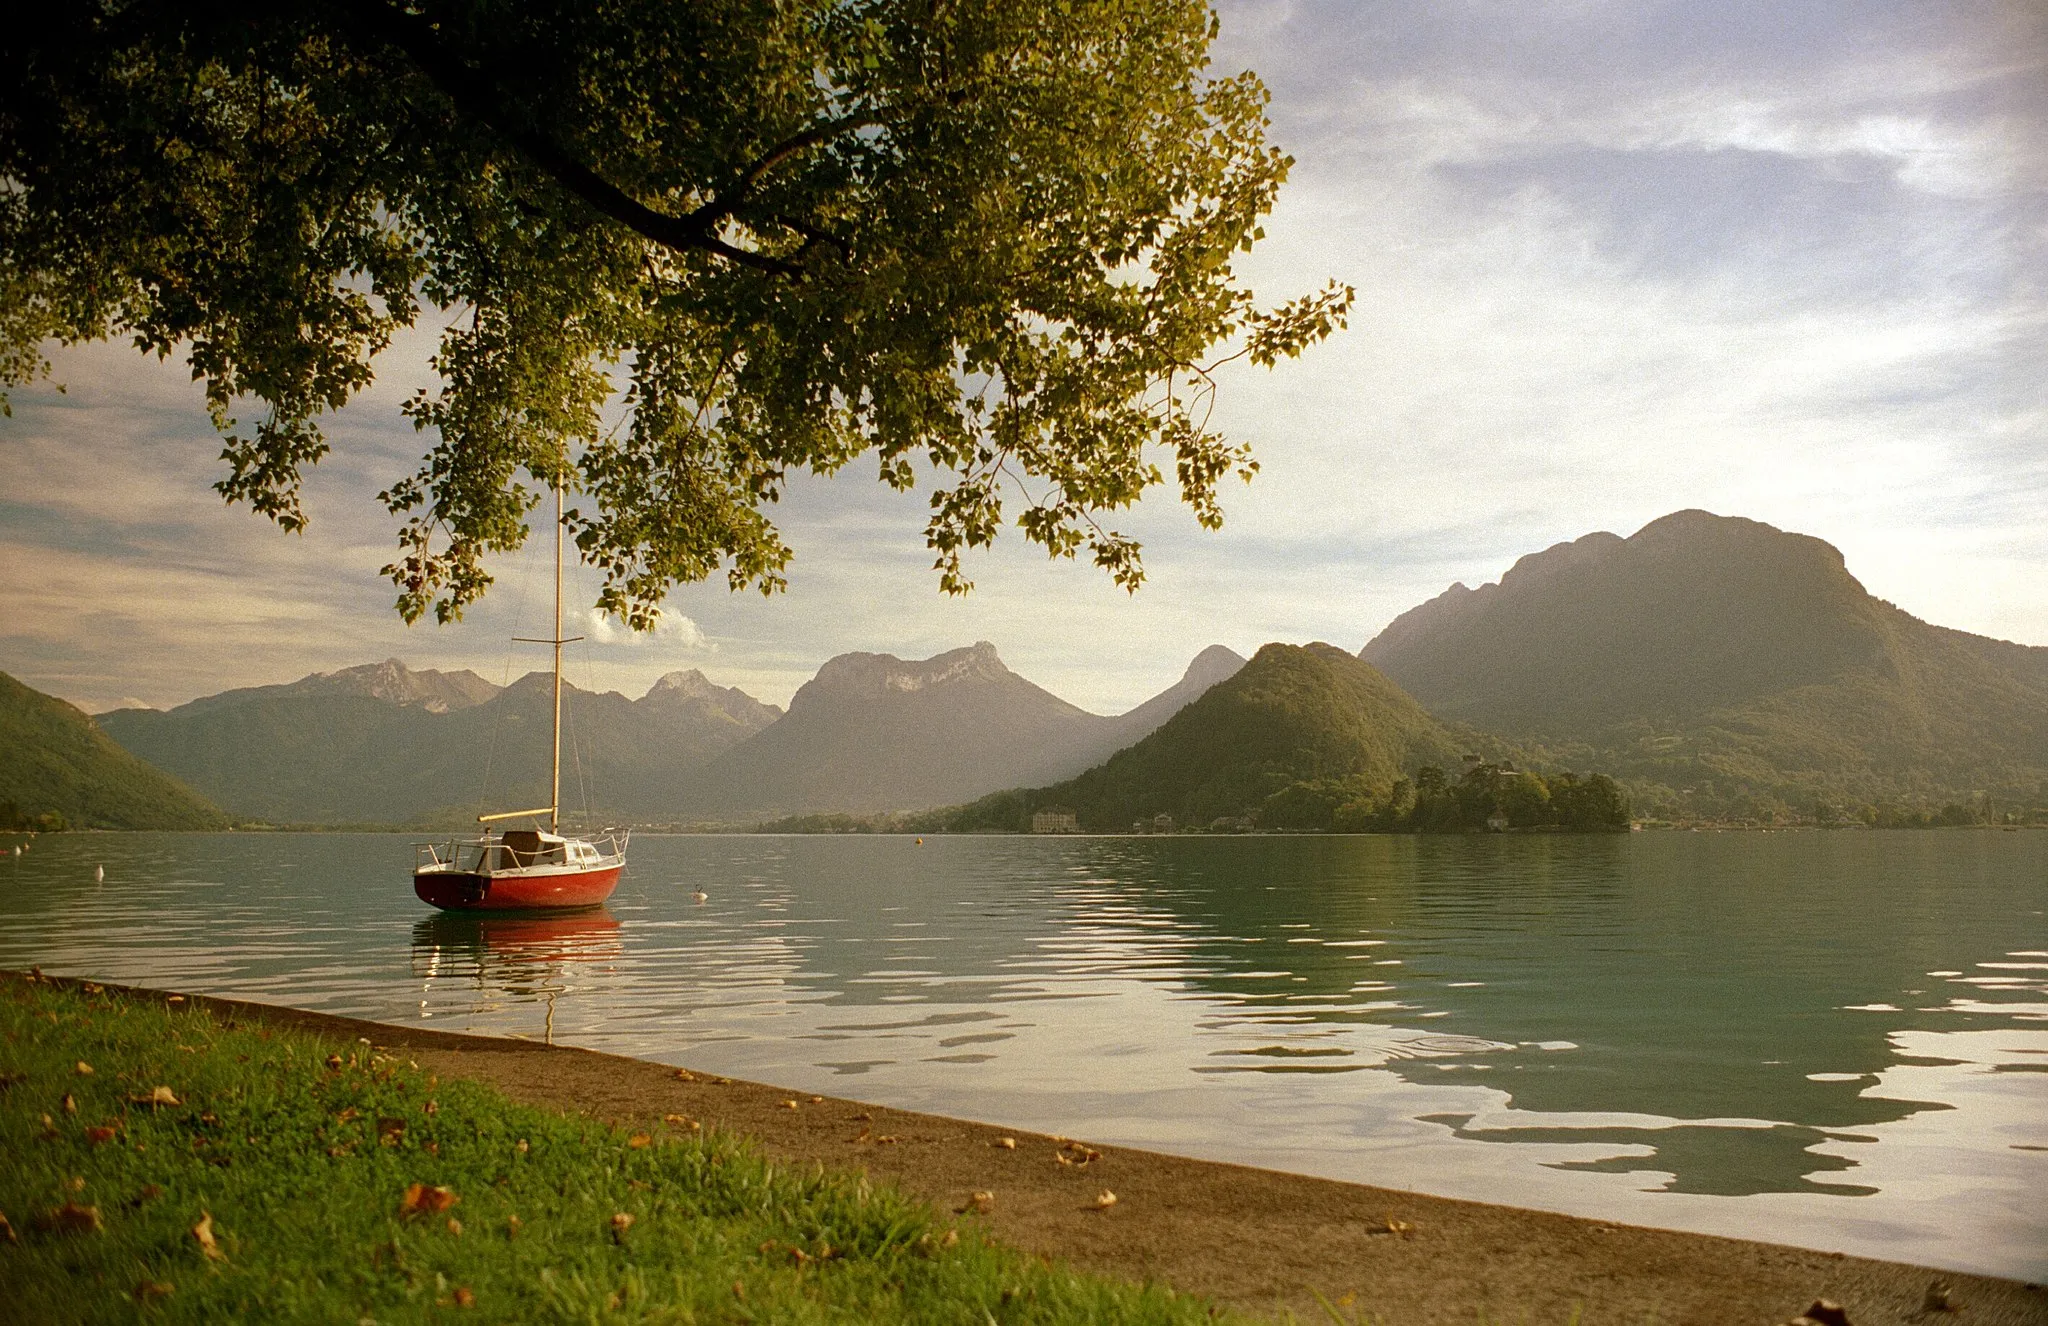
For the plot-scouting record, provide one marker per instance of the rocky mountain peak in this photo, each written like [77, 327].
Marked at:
[687, 685]
[394, 683]
[875, 674]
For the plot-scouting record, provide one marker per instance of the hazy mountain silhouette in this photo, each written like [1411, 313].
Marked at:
[1727, 660]
[380, 744]
[390, 681]
[52, 758]
[873, 732]
[1295, 713]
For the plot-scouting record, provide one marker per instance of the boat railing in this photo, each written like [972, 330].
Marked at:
[475, 853]
[450, 854]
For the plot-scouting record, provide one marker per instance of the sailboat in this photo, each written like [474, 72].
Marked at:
[530, 869]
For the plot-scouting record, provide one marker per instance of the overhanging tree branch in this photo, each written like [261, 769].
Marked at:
[475, 95]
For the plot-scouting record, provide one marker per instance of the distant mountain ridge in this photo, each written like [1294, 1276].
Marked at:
[1729, 662]
[53, 758]
[873, 732]
[382, 744]
[391, 680]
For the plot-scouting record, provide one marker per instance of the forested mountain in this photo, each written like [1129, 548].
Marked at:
[1308, 716]
[381, 744]
[1726, 666]
[872, 732]
[53, 759]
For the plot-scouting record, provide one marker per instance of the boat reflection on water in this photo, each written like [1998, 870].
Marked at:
[510, 959]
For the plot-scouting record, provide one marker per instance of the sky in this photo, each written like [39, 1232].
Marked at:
[1785, 260]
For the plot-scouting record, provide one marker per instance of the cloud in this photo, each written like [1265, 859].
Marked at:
[672, 630]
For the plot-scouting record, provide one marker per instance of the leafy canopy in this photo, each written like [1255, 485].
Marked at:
[681, 248]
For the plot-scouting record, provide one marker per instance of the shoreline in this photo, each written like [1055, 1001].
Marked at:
[1260, 1240]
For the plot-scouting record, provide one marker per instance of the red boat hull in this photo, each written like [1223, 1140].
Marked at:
[459, 891]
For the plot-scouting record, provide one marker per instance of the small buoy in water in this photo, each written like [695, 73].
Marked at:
[99, 873]
[700, 896]
[920, 842]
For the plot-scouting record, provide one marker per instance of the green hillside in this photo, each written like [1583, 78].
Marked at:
[53, 759]
[1297, 721]
[1725, 667]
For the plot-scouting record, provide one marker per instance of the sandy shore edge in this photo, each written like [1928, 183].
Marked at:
[1260, 1240]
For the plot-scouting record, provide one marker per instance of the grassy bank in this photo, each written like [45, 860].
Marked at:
[159, 1165]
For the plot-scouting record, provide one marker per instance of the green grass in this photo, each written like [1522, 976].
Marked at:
[302, 1151]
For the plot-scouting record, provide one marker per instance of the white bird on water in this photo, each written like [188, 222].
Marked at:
[99, 874]
[700, 896]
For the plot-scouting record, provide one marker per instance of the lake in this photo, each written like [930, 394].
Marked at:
[1838, 1040]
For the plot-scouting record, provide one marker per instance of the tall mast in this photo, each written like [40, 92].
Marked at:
[555, 794]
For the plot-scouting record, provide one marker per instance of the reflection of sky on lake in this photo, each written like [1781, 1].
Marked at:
[1830, 1039]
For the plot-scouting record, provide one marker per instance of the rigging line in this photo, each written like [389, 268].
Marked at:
[576, 742]
[483, 791]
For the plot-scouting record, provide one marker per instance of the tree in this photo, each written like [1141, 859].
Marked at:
[680, 248]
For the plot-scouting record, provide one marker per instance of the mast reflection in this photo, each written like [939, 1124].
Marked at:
[515, 959]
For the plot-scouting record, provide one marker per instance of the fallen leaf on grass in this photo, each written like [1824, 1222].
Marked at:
[885, 1140]
[151, 1290]
[681, 1121]
[426, 1199]
[83, 1069]
[334, 1061]
[158, 1096]
[390, 1132]
[465, 1297]
[981, 1203]
[203, 1231]
[1104, 1200]
[521, 1148]
[174, 999]
[639, 1140]
[349, 1115]
[621, 1222]
[685, 1075]
[1006, 1143]
[512, 1226]
[454, 1226]
[99, 1134]
[817, 1100]
[788, 1104]
[433, 1107]
[7, 1234]
[70, 1104]
[49, 1129]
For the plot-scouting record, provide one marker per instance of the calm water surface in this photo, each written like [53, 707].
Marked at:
[1837, 1040]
